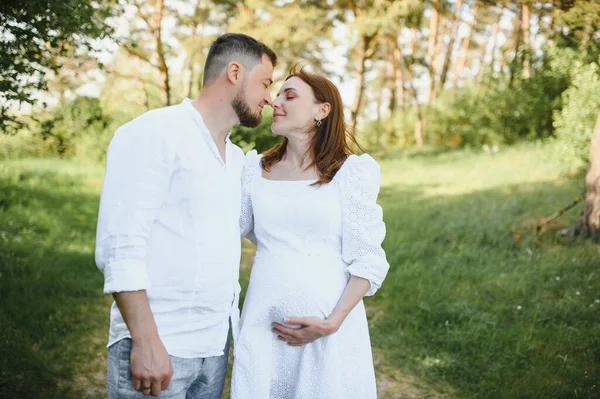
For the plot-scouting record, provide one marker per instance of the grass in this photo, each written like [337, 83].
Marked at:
[473, 300]
[54, 316]
[474, 305]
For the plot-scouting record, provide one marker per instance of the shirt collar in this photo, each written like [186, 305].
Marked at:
[197, 117]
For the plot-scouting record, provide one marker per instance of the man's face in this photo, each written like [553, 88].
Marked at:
[254, 93]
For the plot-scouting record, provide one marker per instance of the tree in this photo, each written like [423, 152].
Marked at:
[590, 220]
[195, 40]
[496, 30]
[296, 30]
[434, 24]
[453, 34]
[130, 86]
[34, 35]
[589, 223]
[467, 43]
[147, 43]
[371, 23]
[74, 121]
[525, 29]
[579, 24]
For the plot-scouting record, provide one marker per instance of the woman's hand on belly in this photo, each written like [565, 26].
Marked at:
[307, 330]
[313, 328]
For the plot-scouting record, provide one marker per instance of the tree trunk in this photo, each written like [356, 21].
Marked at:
[551, 34]
[589, 224]
[516, 40]
[363, 56]
[432, 46]
[140, 77]
[419, 122]
[453, 34]
[399, 78]
[493, 52]
[418, 132]
[191, 67]
[382, 83]
[525, 18]
[190, 83]
[466, 45]
[392, 76]
[165, 95]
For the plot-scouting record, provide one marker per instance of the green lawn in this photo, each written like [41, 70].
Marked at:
[474, 305]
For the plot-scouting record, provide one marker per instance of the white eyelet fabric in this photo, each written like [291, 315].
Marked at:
[309, 241]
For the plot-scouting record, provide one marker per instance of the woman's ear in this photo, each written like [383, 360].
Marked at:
[324, 110]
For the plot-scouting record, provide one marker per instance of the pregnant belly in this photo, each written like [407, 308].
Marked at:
[296, 287]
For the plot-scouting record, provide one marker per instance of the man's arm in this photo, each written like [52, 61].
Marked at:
[138, 171]
[150, 362]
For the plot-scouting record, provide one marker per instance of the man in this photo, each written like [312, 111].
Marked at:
[168, 239]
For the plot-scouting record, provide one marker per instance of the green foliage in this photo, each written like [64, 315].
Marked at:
[79, 127]
[575, 122]
[296, 31]
[25, 144]
[394, 132]
[581, 19]
[485, 114]
[260, 138]
[35, 35]
[501, 113]
[465, 117]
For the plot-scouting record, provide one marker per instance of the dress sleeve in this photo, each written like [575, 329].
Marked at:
[363, 229]
[251, 170]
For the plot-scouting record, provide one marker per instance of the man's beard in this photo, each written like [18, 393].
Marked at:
[244, 113]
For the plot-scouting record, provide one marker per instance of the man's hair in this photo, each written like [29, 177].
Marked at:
[234, 47]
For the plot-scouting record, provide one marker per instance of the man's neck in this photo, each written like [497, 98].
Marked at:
[217, 113]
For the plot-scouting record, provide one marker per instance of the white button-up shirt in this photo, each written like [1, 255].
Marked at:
[168, 224]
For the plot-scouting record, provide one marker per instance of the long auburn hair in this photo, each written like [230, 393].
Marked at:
[331, 142]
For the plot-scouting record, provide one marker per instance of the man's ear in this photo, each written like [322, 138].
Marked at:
[233, 73]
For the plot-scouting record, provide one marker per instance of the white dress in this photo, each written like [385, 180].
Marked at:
[309, 241]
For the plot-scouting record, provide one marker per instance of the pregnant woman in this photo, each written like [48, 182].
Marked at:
[310, 206]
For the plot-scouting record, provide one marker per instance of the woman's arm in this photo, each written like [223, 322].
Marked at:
[313, 328]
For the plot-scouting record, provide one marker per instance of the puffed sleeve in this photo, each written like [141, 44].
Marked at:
[251, 170]
[363, 229]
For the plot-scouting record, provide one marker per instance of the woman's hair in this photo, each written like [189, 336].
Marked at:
[332, 142]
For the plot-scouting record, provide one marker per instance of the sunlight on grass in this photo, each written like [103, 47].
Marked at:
[465, 172]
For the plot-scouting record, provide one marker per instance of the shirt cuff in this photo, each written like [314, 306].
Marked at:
[125, 276]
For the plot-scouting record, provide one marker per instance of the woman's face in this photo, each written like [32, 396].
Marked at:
[294, 109]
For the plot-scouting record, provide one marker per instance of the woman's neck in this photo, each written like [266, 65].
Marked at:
[297, 154]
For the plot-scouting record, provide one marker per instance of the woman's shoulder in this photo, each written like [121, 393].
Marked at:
[252, 158]
[251, 165]
[357, 166]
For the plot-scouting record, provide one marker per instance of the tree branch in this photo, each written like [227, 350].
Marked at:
[140, 56]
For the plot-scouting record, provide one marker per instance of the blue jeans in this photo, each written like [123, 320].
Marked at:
[197, 378]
